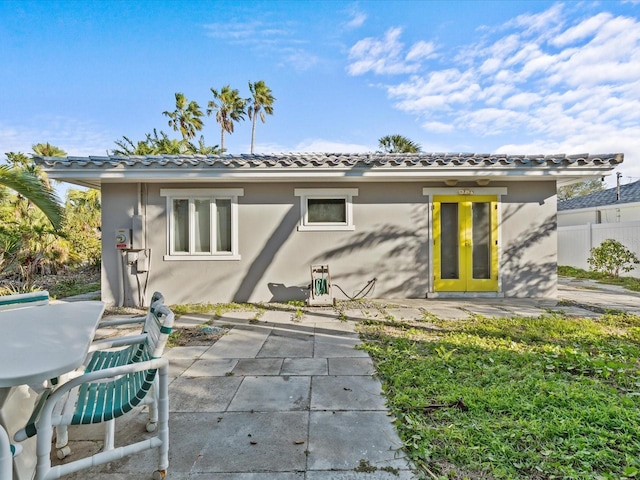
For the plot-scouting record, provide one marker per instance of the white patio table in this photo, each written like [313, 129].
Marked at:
[37, 344]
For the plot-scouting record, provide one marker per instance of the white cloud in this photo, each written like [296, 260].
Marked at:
[438, 127]
[546, 23]
[521, 100]
[581, 31]
[357, 20]
[421, 50]
[558, 80]
[253, 32]
[279, 41]
[300, 60]
[386, 56]
[77, 138]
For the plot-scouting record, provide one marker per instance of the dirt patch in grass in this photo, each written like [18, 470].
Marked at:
[196, 336]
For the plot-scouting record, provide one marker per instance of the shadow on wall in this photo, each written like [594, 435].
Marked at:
[527, 278]
[281, 293]
[398, 257]
[267, 255]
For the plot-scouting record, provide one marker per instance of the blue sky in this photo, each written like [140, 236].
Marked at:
[517, 77]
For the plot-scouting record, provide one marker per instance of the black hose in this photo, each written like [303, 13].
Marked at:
[369, 287]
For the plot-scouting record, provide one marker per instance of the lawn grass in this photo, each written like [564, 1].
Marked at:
[526, 398]
[630, 283]
[69, 287]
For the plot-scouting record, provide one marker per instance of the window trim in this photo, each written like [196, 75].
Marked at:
[198, 193]
[346, 194]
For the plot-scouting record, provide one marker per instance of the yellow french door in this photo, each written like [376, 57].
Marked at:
[465, 256]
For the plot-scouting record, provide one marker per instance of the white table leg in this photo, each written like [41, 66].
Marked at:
[16, 405]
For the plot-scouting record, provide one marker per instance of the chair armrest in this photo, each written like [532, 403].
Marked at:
[117, 342]
[113, 372]
[121, 321]
[30, 430]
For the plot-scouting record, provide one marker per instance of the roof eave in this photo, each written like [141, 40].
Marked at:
[95, 176]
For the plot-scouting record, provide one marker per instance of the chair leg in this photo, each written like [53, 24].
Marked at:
[162, 399]
[43, 450]
[62, 442]
[152, 424]
[109, 435]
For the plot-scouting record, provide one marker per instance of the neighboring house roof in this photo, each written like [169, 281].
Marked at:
[93, 170]
[629, 193]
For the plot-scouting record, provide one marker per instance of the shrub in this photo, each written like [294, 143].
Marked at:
[611, 257]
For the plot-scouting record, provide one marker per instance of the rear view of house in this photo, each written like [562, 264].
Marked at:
[249, 227]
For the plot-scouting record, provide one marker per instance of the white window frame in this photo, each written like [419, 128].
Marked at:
[345, 194]
[212, 194]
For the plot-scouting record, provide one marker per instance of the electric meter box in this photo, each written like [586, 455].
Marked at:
[123, 239]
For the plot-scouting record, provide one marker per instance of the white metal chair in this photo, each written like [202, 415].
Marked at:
[102, 355]
[101, 396]
[134, 320]
[21, 300]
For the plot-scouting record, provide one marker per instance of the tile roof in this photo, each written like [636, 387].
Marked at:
[366, 160]
[629, 193]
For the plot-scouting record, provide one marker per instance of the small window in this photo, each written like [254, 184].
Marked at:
[202, 224]
[326, 209]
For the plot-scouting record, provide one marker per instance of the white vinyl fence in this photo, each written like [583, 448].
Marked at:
[575, 242]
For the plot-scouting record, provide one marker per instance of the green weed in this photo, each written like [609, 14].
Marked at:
[630, 283]
[547, 397]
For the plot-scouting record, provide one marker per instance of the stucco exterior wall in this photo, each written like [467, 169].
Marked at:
[529, 240]
[390, 243]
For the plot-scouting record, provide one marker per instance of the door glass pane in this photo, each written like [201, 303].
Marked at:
[449, 251]
[181, 225]
[223, 225]
[202, 225]
[326, 210]
[481, 233]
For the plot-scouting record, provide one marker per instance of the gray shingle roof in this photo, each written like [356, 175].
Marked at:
[629, 193]
[331, 160]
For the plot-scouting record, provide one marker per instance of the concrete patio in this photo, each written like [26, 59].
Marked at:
[287, 397]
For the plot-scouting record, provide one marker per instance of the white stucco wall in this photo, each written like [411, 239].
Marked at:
[390, 243]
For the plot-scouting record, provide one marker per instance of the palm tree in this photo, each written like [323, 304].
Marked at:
[202, 148]
[261, 103]
[397, 144]
[229, 108]
[43, 150]
[33, 189]
[161, 144]
[186, 118]
[82, 225]
[48, 150]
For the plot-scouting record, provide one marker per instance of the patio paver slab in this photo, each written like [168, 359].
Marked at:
[272, 394]
[305, 366]
[351, 366]
[346, 393]
[255, 442]
[258, 366]
[216, 367]
[238, 343]
[340, 440]
[202, 394]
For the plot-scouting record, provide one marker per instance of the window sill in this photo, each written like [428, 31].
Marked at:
[326, 228]
[200, 258]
